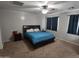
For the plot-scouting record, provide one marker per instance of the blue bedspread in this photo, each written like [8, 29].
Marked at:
[39, 36]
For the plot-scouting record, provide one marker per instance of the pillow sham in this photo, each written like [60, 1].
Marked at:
[36, 30]
[29, 30]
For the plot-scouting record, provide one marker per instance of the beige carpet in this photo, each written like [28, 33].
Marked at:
[22, 49]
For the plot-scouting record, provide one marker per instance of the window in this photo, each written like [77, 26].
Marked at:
[74, 24]
[52, 23]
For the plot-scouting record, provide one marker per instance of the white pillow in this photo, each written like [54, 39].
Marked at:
[36, 30]
[30, 30]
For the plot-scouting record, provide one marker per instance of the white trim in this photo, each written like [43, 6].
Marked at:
[77, 26]
[68, 24]
[58, 24]
[51, 23]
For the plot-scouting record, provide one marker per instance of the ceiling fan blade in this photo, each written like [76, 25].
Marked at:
[58, 6]
[52, 10]
[33, 9]
[30, 6]
[49, 12]
[36, 8]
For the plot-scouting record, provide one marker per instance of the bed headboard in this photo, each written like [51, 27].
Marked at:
[25, 27]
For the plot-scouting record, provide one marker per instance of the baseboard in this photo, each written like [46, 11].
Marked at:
[70, 42]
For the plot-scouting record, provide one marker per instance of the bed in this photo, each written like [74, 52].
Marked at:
[37, 38]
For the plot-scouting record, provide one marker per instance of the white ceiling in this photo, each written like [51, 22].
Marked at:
[34, 6]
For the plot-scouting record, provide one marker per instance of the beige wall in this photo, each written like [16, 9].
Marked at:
[63, 23]
[14, 20]
[1, 44]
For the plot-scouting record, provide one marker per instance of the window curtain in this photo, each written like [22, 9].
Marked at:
[72, 29]
[49, 23]
[54, 23]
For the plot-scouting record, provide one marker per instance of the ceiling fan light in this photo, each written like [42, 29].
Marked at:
[44, 11]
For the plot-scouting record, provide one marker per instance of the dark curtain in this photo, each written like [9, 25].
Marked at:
[49, 23]
[54, 23]
[73, 24]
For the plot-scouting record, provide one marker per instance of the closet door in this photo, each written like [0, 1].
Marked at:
[72, 29]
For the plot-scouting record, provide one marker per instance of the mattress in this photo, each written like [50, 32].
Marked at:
[37, 37]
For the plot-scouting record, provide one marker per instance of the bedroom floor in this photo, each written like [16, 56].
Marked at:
[57, 49]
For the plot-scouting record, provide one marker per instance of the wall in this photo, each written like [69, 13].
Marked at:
[43, 22]
[14, 20]
[63, 23]
[1, 44]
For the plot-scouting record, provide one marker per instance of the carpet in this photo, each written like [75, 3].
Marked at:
[22, 49]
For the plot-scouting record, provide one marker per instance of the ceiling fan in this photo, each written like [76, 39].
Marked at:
[45, 7]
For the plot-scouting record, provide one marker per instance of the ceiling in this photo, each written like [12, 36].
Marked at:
[35, 6]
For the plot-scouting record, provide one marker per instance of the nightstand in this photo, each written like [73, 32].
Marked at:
[17, 36]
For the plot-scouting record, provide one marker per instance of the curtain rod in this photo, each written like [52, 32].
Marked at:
[52, 16]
